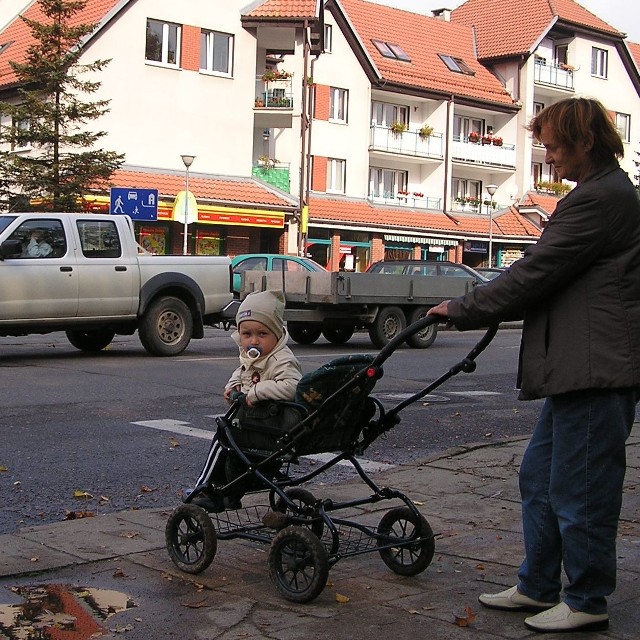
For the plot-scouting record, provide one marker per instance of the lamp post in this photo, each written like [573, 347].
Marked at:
[491, 189]
[188, 161]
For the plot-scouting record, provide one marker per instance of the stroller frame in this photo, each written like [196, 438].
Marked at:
[305, 538]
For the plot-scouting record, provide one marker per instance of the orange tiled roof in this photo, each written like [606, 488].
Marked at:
[423, 38]
[236, 190]
[634, 49]
[19, 34]
[513, 27]
[285, 9]
[405, 220]
[544, 201]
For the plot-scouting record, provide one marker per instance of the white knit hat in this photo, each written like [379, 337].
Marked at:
[266, 307]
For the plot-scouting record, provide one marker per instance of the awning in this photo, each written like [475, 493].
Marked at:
[436, 242]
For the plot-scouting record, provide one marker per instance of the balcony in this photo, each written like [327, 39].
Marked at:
[407, 143]
[491, 155]
[276, 174]
[273, 105]
[558, 76]
[413, 200]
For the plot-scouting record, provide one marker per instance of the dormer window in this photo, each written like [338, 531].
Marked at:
[457, 65]
[390, 50]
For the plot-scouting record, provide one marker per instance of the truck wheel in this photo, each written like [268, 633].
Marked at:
[95, 340]
[166, 327]
[389, 322]
[303, 332]
[338, 335]
[422, 339]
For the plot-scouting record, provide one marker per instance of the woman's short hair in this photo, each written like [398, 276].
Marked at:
[575, 120]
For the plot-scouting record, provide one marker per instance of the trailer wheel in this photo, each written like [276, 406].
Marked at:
[405, 558]
[166, 327]
[338, 335]
[95, 340]
[191, 538]
[303, 332]
[298, 564]
[389, 322]
[425, 338]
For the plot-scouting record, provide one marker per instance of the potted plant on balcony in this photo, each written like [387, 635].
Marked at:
[271, 75]
[398, 128]
[259, 101]
[267, 162]
[474, 137]
[496, 141]
[425, 131]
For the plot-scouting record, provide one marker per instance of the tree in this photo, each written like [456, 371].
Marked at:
[47, 114]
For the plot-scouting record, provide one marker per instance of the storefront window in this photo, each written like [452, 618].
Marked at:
[153, 240]
[208, 243]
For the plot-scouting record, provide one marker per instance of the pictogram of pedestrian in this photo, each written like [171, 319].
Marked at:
[118, 205]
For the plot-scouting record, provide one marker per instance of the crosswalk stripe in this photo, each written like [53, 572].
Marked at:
[182, 428]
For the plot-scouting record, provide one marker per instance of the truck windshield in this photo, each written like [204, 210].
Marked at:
[5, 221]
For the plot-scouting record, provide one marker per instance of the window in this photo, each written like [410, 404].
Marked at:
[467, 189]
[163, 42]
[339, 105]
[41, 238]
[537, 107]
[623, 125]
[536, 173]
[457, 65]
[561, 54]
[385, 113]
[19, 128]
[336, 175]
[99, 239]
[599, 62]
[390, 50]
[463, 126]
[328, 38]
[216, 52]
[386, 183]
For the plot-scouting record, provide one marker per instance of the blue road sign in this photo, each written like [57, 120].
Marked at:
[139, 204]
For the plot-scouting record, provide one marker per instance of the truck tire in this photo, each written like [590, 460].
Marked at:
[424, 338]
[304, 332]
[338, 335]
[389, 322]
[95, 340]
[166, 327]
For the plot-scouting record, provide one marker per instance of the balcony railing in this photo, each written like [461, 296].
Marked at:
[277, 175]
[553, 75]
[485, 154]
[408, 143]
[407, 200]
[276, 94]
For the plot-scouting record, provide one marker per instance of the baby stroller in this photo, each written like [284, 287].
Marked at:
[333, 412]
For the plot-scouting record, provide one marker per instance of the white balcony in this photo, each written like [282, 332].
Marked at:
[483, 154]
[407, 200]
[407, 143]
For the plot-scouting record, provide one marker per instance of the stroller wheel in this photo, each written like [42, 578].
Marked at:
[298, 564]
[191, 538]
[399, 526]
[302, 498]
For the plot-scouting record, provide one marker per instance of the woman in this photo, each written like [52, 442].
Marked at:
[578, 292]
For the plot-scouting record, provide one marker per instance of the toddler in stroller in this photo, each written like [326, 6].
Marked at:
[268, 371]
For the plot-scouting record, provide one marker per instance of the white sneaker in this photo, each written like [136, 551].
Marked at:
[562, 618]
[512, 600]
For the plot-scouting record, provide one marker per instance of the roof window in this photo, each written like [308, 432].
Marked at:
[5, 45]
[390, 50]
[457, 65]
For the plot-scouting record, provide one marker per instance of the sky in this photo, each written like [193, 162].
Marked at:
[624, 15]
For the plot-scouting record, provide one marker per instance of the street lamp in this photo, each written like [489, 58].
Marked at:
[491, 189]
[188, 161]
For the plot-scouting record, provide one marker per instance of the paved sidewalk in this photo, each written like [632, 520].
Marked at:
[469, 496]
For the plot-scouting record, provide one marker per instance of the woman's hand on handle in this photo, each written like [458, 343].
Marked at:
[441, 309]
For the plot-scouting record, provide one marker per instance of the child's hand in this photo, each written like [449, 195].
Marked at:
[228, 393]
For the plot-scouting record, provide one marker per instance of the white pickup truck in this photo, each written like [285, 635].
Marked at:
[85, 274]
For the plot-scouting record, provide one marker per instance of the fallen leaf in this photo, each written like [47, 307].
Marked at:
[78, 493]
[129, 534]
[342, 599]
[104, 499]
[173, 443]
[76, 515]
[3, 468]
[119, 573]
[145, 489]
[466, 620]
[35, 559]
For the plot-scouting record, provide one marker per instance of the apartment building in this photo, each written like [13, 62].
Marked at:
[345, 130]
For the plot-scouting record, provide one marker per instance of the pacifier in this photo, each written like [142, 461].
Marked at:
[254, 352]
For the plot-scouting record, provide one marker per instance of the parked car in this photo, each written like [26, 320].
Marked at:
[427, 268]
[269, 262]
[490, 272]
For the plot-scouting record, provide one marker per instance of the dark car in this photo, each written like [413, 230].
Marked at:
[427, 268]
